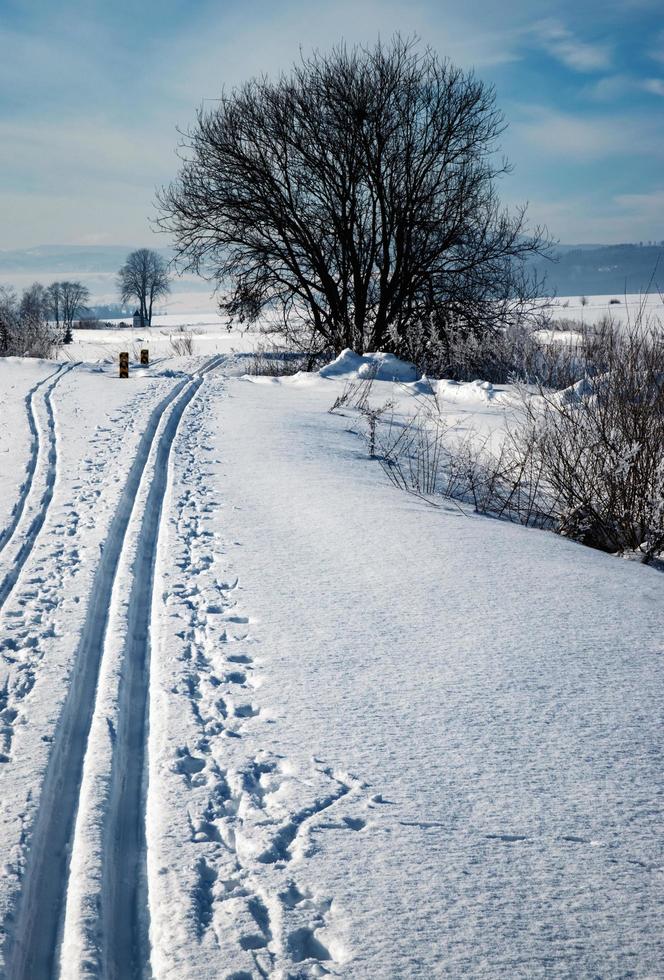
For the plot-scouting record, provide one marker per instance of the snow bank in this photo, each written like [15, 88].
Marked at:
[384, 367]
[464, 391]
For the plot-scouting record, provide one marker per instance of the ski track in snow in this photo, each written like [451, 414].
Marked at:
[24, 489]
[250, 824]
[33, 952]
[18, 538]
[91, 899]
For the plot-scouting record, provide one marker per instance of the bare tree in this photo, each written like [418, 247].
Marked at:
[35, 304]
[74, 297]
[55, 299]
[356, 196]
[144, 277]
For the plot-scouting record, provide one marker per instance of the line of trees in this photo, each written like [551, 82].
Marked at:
[38, 321]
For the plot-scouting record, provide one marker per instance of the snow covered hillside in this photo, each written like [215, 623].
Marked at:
[263, 715]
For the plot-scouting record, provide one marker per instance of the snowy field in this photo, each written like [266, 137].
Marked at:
[207, 333]
[263, 715]
[622, 308]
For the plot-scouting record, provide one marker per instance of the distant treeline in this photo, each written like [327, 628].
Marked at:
[604, 269]
[107, 311]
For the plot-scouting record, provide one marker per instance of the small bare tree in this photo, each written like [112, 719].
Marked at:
[73, 302]
[35, 304]
[144, 277]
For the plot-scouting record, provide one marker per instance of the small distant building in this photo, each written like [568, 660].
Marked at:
[138, 322]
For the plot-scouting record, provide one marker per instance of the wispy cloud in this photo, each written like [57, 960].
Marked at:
[610, 219]
[656, 50]
[582, 56]
[642, 203]
[231, 47]
[575, 137]
[654, 85]
[614, 87]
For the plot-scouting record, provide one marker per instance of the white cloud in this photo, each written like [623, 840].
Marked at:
[584, 219]
[572, 137]
[642, 205]
[587, 138]
[576, 54]
[235, 46]
[613, 87]
[656, 52]
[609, 88]
[654, 85]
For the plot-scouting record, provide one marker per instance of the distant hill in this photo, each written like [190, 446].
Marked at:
[599, 270]
[578, 269]
[68, 258]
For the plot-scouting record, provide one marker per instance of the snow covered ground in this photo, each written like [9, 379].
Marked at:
[262, 715]
[207, 333]
[622, 308]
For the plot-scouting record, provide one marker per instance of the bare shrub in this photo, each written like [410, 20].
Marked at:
[546, 352]
[182, 342]
[275, 360]
[25, 328]
[355, 394]
[39, 339]
[412, 454]
[587, 462]
[518, 352]
[601, 447]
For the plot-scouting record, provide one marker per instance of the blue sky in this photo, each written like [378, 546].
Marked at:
[91, 93]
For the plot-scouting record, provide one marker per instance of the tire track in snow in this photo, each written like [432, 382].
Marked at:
[33, 951]
[43, 457]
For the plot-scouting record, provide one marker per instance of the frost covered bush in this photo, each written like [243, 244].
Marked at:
[25, 330]
[586, 461]
[181, 342]
[278, 360]
[539, 350]
[601, 447]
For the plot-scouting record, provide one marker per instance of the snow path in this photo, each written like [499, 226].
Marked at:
[18, 538]
[40, 911]
[243, 816]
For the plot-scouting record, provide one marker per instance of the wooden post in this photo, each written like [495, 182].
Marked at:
[124, 364]
[145, 356]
